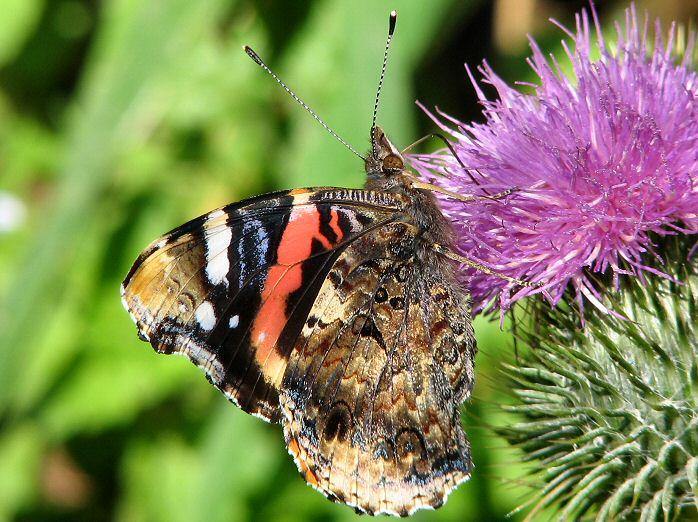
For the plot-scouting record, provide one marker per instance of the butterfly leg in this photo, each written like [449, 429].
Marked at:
[480, 267]
[460, 197]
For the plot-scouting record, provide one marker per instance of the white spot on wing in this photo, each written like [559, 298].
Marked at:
[205, 316]
[234, 321]
[217, 241]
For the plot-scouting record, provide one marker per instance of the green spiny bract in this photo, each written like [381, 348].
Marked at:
[610, 410]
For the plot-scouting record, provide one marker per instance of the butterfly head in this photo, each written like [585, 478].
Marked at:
[383, 160]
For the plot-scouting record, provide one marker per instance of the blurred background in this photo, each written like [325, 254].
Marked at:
[121, 119]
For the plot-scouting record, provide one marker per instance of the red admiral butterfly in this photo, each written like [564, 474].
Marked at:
[336, 313]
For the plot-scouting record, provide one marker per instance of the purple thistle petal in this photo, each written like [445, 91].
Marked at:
[602, 160]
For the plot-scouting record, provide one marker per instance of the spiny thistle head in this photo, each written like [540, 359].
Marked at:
[602, 160]
[610, 412]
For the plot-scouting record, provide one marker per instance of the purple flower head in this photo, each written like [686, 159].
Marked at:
[601, 160]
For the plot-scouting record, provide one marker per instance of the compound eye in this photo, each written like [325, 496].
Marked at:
[393, 162]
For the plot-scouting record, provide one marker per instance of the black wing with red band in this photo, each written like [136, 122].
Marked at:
[232, 289]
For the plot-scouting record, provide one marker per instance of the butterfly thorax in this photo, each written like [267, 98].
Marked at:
[386, 172]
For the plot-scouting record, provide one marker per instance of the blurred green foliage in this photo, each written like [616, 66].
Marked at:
[122, 119]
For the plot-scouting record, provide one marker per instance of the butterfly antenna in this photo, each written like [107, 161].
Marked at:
[391, 31]
[252, 54]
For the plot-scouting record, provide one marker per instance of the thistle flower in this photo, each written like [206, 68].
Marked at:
[603, 161]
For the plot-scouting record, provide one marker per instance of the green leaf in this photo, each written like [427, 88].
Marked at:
[19, 18]
[20, 466]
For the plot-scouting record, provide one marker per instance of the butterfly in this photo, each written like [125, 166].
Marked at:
[337, 313]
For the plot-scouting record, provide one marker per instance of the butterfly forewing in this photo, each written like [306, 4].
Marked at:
[232, 289]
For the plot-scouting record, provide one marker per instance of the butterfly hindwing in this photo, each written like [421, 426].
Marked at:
[373, 386]
[231, 290]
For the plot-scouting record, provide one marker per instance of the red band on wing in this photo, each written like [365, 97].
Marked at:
[284, 278]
